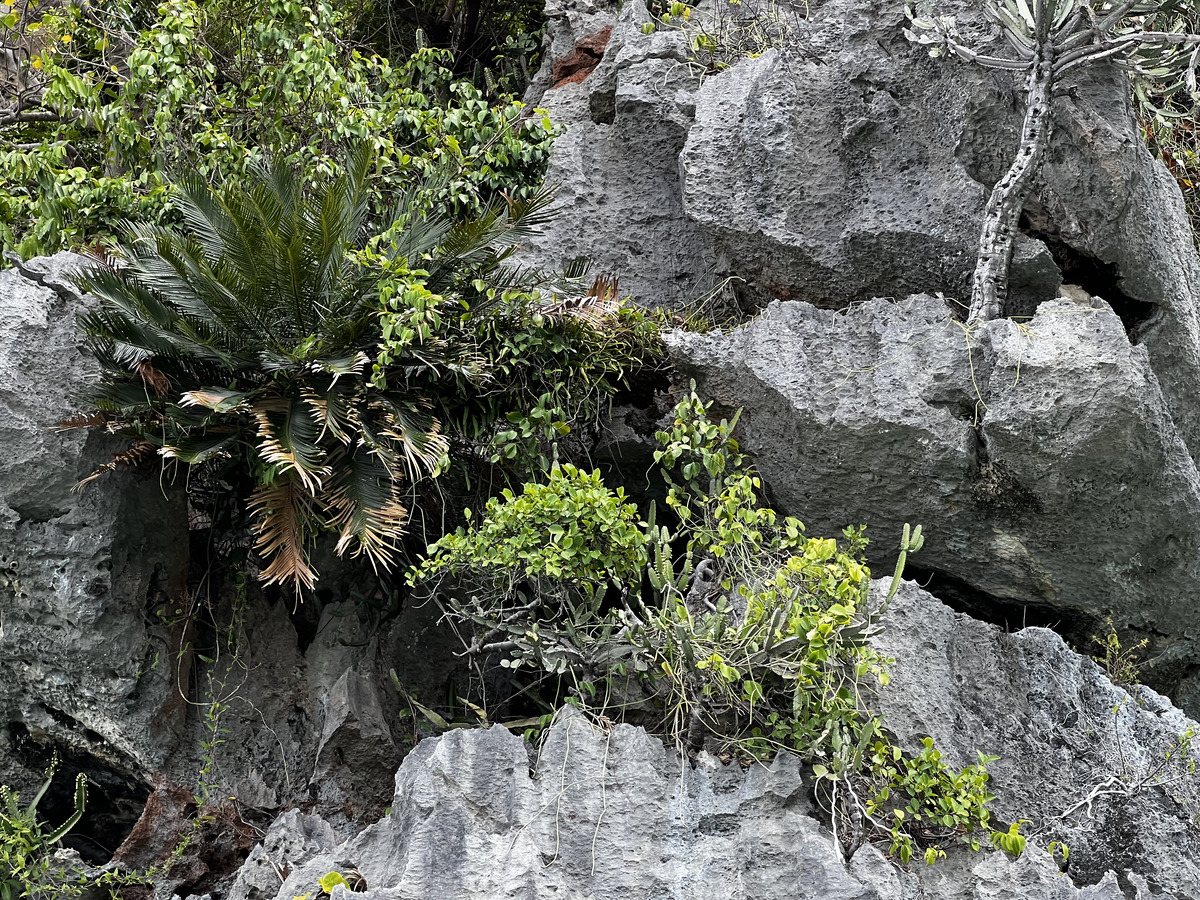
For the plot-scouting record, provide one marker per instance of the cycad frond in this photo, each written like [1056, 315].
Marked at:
[528, 214]
[288, 436]
[401, 434]
[216, 399]
[366, 508]
[197, 449]
[135, 455]
[414, 233]
[284, 513]
[334, 410]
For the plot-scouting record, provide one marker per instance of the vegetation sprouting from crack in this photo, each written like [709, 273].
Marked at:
[731, 629]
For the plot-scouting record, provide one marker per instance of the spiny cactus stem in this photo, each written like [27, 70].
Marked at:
[911, 541]
[989, 287]
[80, 802]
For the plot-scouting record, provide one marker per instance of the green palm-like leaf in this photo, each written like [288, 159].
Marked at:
[250, 330]
[200, 448]
[289, 439]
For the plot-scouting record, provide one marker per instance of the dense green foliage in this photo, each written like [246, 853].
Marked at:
[738, 629]
[594, 535]
[274, 333]
[110, 98]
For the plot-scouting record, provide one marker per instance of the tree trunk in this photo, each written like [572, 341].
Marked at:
[989, 288]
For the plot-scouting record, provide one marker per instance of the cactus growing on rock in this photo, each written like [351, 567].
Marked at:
[1049, 39]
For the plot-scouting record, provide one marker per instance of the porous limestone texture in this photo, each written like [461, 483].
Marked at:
[612, 813]
[80, 571]
[1042, 460]
[1106, 769]
[616, 169]
[847, 164]
[310, 714]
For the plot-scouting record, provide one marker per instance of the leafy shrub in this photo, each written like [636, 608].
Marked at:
[1121, 663]
[922, 796]
[594, 535]
[743, 631]
[552, 367]
[115, 95]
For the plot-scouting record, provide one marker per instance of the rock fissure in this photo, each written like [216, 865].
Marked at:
[1086, 277]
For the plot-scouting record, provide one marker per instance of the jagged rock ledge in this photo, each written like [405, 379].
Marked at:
[614, 814]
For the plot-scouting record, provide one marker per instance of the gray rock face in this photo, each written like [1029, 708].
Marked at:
[1105, 769]
[567, 22]
[850, 165]
[1042, 461]
[300, 723]
[611, 813]
[619, 201]
[79, 571]
[832, 178]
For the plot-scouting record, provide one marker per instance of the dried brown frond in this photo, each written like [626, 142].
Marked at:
[136, 454]
[100, 252]
[604, 288]
[83, 420]
[154, 379]
[601, 302]
[285, 518]
[273, 448]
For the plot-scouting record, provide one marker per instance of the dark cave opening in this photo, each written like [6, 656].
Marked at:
[115, 798]
[1010, 615]
[1098, 278]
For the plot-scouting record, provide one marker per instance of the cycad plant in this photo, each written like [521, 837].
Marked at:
[252, 330]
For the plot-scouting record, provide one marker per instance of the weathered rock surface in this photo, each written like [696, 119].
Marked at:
[1042, 461]
[620, 203]
[79, 571]
[848, 165]
[312, 720]
[613, 814]
[1103, 768]
[832, 177]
